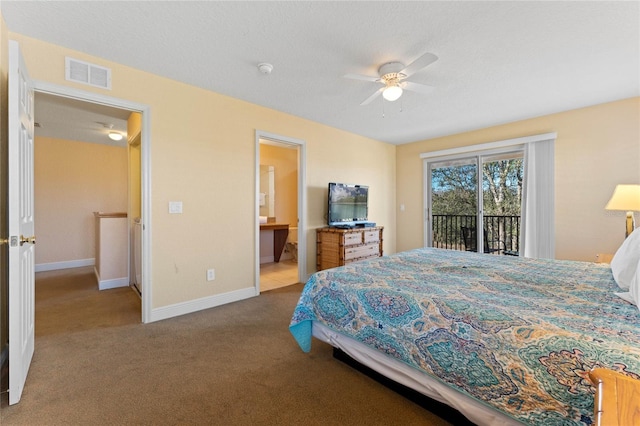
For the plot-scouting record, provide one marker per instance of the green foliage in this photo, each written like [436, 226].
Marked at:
[454, 188]
[502, 187]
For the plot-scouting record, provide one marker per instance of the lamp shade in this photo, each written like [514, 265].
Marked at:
[625, 197]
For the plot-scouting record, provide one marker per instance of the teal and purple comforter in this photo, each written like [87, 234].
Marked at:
[518, 334]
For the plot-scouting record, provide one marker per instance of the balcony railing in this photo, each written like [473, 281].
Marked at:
[501, 233]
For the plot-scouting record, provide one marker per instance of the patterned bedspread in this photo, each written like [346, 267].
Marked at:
[518, 334]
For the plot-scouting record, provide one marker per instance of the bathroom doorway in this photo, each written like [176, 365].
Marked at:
[279, 218]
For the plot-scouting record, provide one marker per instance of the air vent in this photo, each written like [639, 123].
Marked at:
[86, 73]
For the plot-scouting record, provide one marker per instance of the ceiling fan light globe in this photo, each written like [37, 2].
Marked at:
[392, 93]
[115, 136]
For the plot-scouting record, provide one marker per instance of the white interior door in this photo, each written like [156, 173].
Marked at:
[21, 226]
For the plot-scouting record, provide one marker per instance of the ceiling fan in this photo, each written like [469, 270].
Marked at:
[393, 75]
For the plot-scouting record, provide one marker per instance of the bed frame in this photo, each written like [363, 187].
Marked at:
[424, 390]
[438, 408]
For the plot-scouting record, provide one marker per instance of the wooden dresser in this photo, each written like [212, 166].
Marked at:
[338, 247]
[617, 400]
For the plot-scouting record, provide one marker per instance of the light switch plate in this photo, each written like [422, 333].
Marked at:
[175, 207]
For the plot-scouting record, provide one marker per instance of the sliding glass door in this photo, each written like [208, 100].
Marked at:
[480, 189]
[502, 202]
[454, 203]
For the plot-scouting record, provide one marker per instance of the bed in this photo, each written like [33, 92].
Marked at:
[502, 339]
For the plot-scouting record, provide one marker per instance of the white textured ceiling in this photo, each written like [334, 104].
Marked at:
[70, 119]
[498, 61]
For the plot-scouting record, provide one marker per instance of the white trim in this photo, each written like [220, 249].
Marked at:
[191, 306]
[278, 140]
[145, 160]
[54, 266]
[426, 202]
[489, 145]
[113, 283]
[145, 175]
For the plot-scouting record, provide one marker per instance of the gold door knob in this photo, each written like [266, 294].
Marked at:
[29, 240]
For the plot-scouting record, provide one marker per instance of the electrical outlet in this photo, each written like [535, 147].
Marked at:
[211, 274]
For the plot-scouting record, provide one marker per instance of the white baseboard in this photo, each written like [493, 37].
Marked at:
[191, 306]
[54, 266]
[267, 259]
[113, 283]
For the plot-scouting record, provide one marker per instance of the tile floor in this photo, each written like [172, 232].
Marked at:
[276, 275]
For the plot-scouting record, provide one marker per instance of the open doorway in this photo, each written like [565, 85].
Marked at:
[279, 187]
[80, 170]
[120, 173]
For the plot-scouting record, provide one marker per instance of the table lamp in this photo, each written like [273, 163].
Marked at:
[627, 198]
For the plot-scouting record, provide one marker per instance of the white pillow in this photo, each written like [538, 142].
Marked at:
[633, 295]
[626, 259]
[634, 288]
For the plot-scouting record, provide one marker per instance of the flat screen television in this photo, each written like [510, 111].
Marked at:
[348, 204]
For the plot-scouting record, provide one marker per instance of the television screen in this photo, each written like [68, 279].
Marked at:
[347, 204]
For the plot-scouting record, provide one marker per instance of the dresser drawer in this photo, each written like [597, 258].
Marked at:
[353, 239]
[373, 256]
[371, 237]
[361, 251]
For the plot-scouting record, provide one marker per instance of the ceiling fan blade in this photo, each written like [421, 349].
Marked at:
[422, 62]
[361, 77]
[372, 97]
[417, 87]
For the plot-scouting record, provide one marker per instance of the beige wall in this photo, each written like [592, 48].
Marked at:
[285, 163]
[597, 147]
[73, 180]
[201, 142]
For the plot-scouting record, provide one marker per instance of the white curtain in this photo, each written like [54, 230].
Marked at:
[538, 222]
